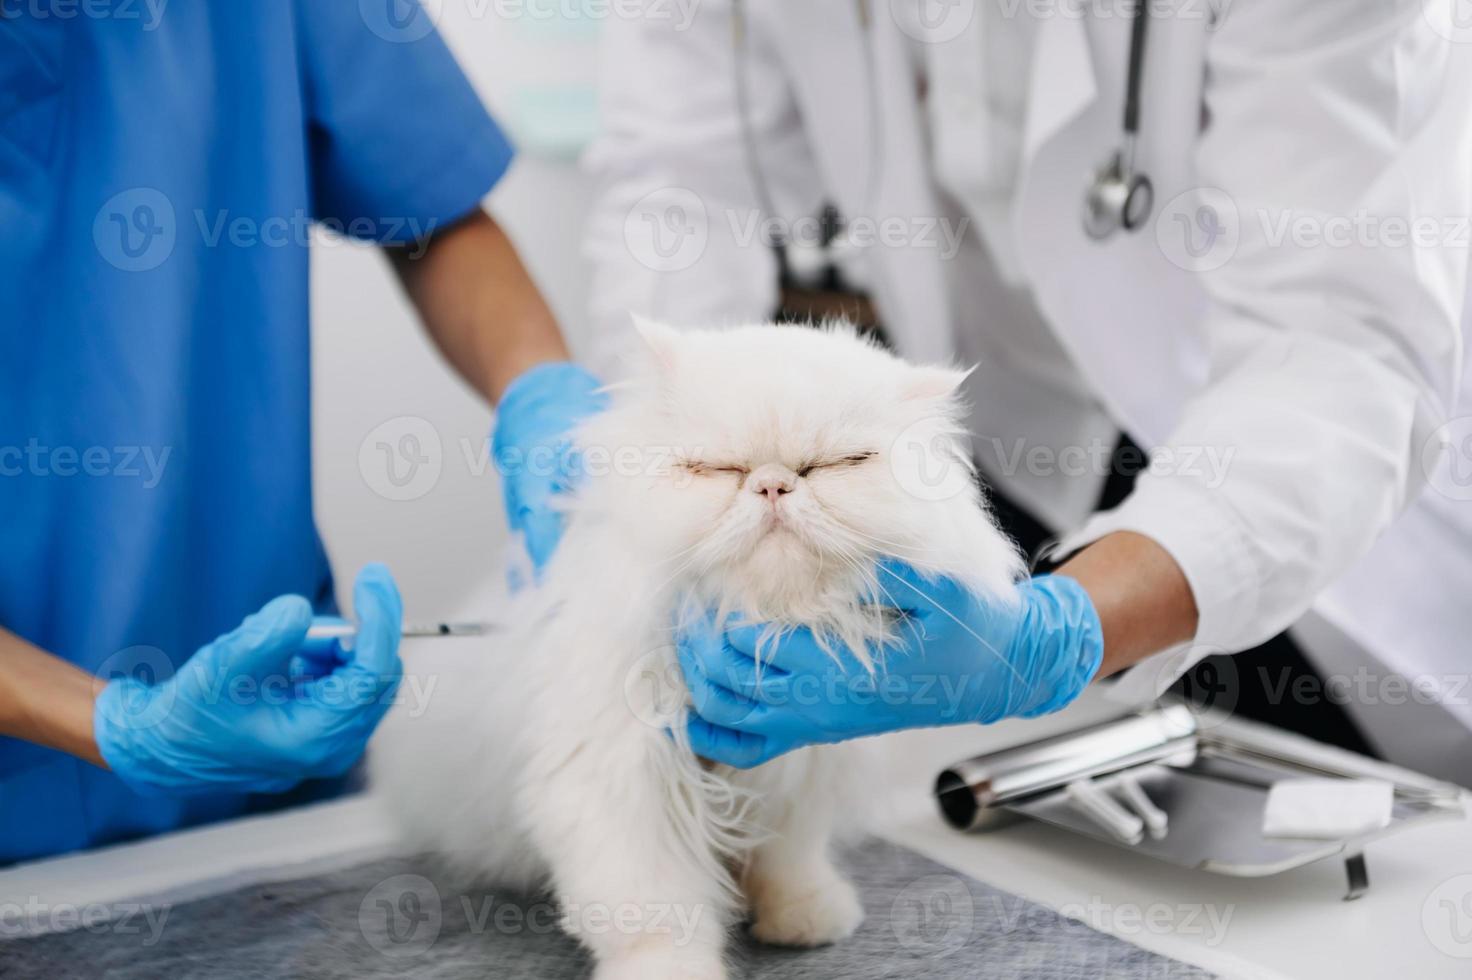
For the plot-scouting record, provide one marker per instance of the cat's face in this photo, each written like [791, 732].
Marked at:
[779, 462]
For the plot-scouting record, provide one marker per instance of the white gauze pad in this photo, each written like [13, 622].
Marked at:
[1326, 808]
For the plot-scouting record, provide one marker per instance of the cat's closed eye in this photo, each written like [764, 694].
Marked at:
[848, 459]
[708, 468]
[701, 468]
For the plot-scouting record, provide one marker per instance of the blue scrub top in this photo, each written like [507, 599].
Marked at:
[158, 173]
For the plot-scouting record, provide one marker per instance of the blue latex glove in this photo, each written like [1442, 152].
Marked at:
[239, 716]
[533, 452]
[964, 660]
[320, 656]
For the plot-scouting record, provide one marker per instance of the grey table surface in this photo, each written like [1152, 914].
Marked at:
[403, 917]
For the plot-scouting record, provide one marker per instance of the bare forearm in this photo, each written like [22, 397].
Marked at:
[1144, 602]
[480, 305]
[45, 700]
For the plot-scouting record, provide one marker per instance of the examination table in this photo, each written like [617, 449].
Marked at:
[322, 892]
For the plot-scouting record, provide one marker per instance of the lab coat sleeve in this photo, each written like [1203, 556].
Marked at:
[399, 142]
[672, 234]
[1332, 334]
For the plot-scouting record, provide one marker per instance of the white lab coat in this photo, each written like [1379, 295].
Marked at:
[1321, 373]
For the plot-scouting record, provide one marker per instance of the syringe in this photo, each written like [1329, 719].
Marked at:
[326, 629]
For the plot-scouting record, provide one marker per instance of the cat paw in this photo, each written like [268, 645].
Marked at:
[813, 911]
[660, 965]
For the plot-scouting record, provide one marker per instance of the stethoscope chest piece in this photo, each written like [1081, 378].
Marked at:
[1121, 197]
[1118, 198]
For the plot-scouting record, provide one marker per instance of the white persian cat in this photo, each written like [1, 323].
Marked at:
[760, 470]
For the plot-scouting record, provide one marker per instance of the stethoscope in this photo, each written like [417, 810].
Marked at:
[804, 262]
[1120, 196]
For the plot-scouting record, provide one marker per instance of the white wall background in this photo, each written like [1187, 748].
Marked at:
[372, 363]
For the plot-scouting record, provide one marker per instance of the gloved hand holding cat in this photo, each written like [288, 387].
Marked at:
[965, 658]
[961, 658]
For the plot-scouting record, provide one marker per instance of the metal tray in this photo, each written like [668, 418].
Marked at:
[1209, 773]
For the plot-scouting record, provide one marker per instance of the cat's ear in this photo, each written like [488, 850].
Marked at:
[935, 382]
[661, 341]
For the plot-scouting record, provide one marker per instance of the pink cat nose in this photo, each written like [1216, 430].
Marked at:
[772, 480]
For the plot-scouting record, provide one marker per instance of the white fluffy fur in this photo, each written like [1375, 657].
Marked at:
[548, 762]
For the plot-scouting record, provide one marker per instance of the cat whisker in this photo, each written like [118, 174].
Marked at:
[958, 621]
[881, 544]
[861, 566]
